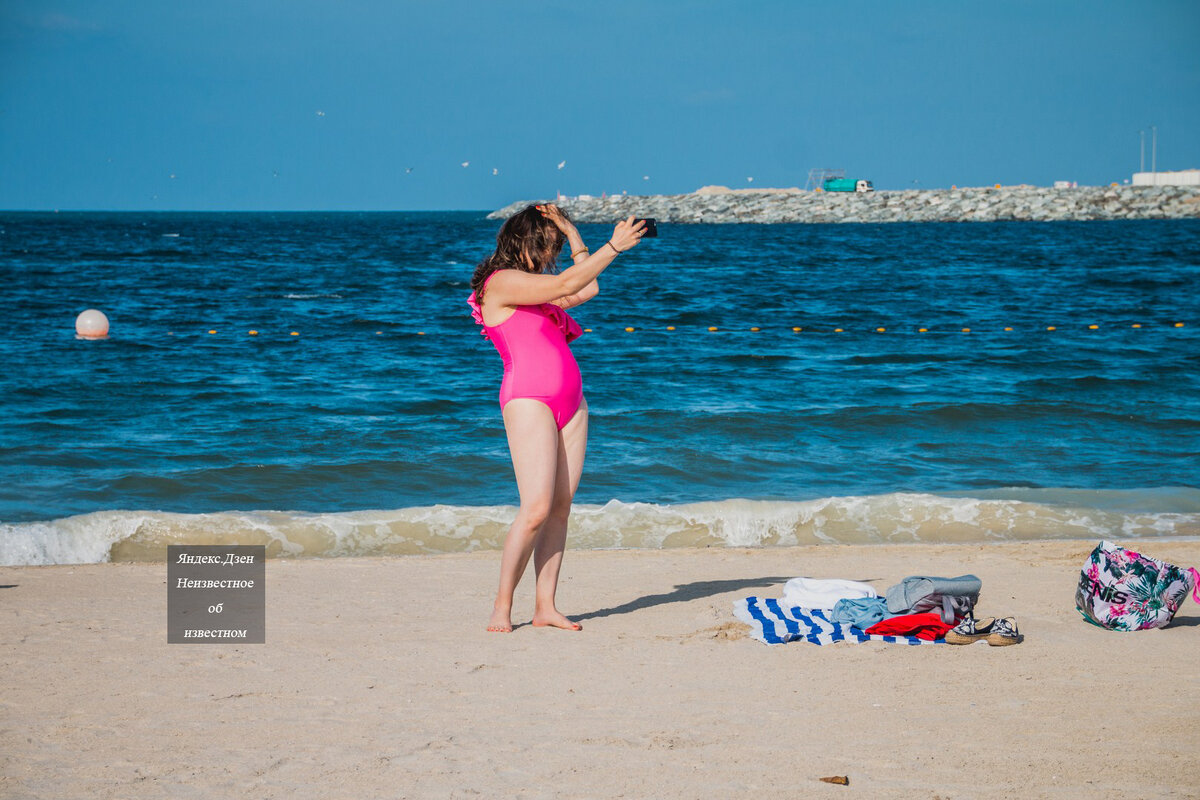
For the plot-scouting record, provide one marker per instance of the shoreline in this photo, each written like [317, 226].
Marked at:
[895, 518]
[718, 205]
[377, 677]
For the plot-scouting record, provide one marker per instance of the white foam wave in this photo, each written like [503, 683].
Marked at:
[891, 518]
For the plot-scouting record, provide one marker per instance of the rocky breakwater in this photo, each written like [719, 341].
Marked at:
[717, 204]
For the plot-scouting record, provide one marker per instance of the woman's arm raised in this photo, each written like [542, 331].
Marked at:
[578, 250]
[511, 287]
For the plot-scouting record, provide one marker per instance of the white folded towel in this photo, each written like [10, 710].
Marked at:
[823, 592]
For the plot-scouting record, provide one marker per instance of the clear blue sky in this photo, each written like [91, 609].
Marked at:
[297, 104]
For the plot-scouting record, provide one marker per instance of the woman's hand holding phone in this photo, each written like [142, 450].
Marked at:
[628, 233]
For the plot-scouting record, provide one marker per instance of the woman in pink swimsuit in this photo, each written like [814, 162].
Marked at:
[521, 300]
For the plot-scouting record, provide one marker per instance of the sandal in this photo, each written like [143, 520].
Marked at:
[1004, 632]
[997, 632]
[971, 630]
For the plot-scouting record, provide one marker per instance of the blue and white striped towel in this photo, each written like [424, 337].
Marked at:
[771, 623]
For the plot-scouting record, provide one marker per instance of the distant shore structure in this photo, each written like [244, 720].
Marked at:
[1182, 177]
[997, 203]
[818, 175]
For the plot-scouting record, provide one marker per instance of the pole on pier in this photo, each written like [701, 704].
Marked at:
[1142, 163]
[1154, 152]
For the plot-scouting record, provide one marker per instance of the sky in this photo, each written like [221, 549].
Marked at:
[363, 105]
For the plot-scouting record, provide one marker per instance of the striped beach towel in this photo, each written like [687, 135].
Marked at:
[771, 623]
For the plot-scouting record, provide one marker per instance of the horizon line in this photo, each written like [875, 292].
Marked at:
[243, 210]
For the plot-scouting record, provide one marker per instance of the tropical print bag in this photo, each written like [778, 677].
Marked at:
[1125, 591]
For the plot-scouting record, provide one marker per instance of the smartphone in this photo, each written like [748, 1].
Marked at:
[651, 226]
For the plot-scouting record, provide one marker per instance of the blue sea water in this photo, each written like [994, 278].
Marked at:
[376, 428]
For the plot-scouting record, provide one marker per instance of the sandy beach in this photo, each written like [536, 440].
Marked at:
[378, 680]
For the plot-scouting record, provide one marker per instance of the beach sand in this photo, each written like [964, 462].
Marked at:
[378, 680]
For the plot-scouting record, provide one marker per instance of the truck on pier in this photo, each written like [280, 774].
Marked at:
[847, 185]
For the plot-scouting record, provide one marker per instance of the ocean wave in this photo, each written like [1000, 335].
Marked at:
[1022, 515]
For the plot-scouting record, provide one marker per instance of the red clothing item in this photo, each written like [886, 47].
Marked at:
[923, 626]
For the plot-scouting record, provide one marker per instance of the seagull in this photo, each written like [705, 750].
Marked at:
[749, 180]
[466, 163]
[495, 171]
[562, 164]
[645, 177]
[320, 113]
[172, 176]
[407, 170]
[274, 173]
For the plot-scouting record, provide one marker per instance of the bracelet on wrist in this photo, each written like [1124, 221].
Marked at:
[614, 247]
[580, 252]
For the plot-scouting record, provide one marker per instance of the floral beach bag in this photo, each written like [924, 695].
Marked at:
[1125, 591]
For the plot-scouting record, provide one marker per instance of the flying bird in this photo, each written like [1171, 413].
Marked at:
[562, 164]
[466, 163]
[495, 171]
[407, 170]
[749, 180]
[320, 113]
[645, 177]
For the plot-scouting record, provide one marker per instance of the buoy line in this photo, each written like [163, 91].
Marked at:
[803, 329]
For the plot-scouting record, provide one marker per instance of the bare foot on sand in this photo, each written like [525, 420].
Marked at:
[553, 619]
[501, 621]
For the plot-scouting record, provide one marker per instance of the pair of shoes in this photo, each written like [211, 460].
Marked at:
[997, 632]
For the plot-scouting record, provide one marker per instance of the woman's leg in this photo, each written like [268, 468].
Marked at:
[533, 444]
[548, 551]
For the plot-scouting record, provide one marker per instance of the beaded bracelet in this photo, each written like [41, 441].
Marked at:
[614, 247]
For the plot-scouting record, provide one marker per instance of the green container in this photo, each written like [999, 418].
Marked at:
[840, 184]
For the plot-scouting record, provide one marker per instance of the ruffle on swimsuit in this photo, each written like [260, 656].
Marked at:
[555, 314]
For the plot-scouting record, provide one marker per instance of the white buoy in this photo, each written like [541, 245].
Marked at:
[91, 324]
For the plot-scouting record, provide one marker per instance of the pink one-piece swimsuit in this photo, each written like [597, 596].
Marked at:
[538, 364]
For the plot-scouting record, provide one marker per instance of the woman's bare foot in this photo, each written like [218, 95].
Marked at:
[553, 619]
[501, 621]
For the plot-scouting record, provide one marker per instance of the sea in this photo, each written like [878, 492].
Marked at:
[314, 382]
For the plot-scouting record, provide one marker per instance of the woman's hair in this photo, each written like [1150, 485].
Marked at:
[526, 233]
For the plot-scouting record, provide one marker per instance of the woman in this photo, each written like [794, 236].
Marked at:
[521, 301]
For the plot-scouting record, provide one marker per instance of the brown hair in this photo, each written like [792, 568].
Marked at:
[525, 234]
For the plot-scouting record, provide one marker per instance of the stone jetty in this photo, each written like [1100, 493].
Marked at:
[717, 204]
